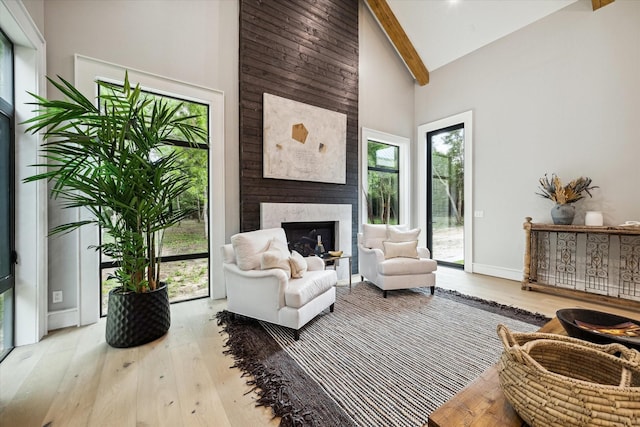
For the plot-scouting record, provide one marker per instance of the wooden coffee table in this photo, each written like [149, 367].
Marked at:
[482, 402]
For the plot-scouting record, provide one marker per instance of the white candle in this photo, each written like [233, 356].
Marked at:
[593, 218]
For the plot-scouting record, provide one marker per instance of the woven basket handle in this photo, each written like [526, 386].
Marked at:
[628, 367]
[510, 344]
[630, 359]
[629, 354]
[506, 336]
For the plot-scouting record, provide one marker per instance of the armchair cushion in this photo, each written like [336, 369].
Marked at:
[401, 249]
[301, 291]
[404, 266]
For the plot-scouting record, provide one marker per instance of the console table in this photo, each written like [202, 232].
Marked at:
[597, 262]
[482, 403]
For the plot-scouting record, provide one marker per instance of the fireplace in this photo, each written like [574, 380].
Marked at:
[274, 215]
[303, 236]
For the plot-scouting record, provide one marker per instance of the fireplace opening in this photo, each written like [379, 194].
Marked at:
[303, 236]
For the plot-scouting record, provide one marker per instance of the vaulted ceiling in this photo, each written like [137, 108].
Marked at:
[431, 33]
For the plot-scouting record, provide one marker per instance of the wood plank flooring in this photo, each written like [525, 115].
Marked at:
[73, 378]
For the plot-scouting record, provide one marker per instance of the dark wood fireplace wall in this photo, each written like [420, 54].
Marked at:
[306, 51]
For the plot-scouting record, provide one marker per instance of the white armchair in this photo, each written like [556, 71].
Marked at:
[389, 258]
[260, 285]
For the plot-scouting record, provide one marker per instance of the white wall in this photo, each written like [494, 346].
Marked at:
[560, 95]
[385, 87]
[191, 40]
[35, 8]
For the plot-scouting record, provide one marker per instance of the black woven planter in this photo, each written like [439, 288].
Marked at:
[137, 318]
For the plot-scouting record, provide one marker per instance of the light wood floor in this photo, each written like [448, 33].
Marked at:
[73, 378]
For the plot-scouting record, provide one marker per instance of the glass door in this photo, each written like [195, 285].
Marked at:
[445, 195]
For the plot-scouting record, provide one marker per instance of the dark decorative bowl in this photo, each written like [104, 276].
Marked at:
[569, 316]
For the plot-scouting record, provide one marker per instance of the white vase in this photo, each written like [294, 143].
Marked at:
[594, 218]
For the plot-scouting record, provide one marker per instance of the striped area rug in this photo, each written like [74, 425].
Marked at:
[391, 362]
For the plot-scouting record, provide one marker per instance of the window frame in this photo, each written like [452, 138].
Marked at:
[386, 170]
[404, 167]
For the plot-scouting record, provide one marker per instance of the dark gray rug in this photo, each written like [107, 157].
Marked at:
[374, 361]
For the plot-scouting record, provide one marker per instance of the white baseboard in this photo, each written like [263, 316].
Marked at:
[62, 319]
[503, 273]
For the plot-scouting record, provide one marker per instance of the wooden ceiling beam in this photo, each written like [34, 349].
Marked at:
[597, 4]
[400, 40]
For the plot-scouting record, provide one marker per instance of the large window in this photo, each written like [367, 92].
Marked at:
[383, 183]
[6, 197]
[385, 178]
[185, 246]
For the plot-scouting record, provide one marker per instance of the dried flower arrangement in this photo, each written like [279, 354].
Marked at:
[572, 192]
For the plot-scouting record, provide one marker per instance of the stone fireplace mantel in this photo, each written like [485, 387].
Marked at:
[272, 215]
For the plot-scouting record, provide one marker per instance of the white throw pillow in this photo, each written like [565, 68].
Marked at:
[396, 235]
[298, 265]
[278, 245]
[400, 249]
[398, 227]
[275, 259]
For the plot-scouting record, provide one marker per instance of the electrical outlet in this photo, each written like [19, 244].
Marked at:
[57, 297]
[478, 214]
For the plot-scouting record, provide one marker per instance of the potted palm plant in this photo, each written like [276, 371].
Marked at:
[113, 160]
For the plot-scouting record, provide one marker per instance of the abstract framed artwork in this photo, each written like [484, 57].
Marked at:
[302, 142]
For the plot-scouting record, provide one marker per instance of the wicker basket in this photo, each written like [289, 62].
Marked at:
[553, 380]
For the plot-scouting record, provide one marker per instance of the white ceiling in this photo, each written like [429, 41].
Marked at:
[444, 30]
